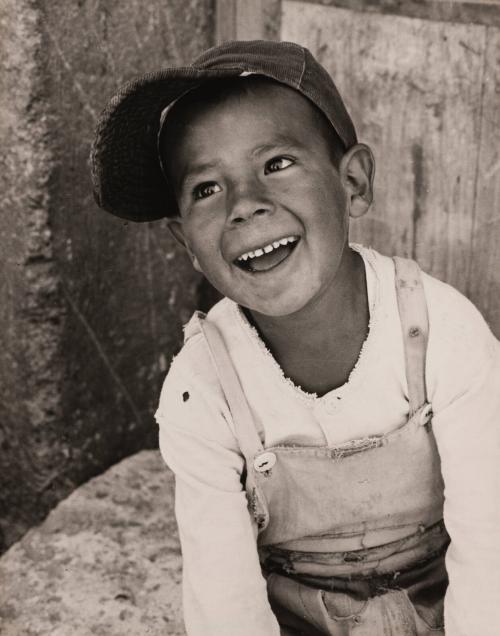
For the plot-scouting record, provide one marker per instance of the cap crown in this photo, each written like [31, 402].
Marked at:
[127, 178]
[290, 64]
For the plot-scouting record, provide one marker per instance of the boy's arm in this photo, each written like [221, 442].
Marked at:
[224, 592]
[465, 374]
[468, 436]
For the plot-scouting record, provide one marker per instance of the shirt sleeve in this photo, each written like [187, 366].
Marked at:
[224, 592]
[467, 429]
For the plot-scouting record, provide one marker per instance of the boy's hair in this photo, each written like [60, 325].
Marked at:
[216, 92]
[126, 173]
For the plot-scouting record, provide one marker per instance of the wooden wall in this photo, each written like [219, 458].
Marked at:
[422, 82]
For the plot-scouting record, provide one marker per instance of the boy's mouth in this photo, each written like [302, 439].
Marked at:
[268, 256]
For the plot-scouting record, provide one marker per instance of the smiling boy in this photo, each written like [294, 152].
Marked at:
[310, 465]
[280, 168]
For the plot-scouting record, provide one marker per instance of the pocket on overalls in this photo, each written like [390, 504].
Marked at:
[428, 611]
[428, 621]
[426, 596]
[342, 607]
[310, 611]
[386, 614]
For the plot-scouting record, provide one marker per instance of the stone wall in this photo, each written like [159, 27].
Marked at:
[91, 307]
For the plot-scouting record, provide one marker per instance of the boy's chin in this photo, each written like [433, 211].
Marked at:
[276, 308]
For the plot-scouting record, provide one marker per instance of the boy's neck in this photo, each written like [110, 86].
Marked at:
[318, 346]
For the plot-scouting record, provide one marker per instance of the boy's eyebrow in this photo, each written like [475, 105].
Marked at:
[279, 141]
[195, 169]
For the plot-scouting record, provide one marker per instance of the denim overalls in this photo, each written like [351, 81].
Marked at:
[351, 539]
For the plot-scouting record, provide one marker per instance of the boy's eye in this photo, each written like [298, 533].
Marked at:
[277, 163]
[204, 190]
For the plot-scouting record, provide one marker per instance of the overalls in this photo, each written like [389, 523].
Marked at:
[351, 539]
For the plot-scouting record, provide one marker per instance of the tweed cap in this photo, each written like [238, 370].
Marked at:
[126, 173]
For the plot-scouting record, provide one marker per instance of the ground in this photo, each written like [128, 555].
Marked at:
[106, 561]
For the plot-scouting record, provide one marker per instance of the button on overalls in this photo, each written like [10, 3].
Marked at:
[351, 539]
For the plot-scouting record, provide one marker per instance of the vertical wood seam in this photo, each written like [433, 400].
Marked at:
[478, 159]
[457, 12]
[238, 20]
[225, 20]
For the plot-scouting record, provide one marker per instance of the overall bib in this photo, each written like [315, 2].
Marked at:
[351, 539]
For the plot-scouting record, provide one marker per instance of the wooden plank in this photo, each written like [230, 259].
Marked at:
[484, 283]
[470, 12]
[225, 20]
[414, 90]
[240, 20]
[484, 2]
[250, 20]
[272, 19]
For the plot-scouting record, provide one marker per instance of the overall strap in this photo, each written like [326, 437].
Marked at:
[246, 432]
[415, 325]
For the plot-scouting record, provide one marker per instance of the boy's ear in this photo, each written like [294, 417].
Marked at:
[357, 171]
[177, 231]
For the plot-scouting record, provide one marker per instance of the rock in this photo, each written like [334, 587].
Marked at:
[106, 561]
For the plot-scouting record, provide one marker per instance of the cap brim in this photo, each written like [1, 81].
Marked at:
[126, 174]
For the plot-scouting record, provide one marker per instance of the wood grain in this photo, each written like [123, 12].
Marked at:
[484, 282]
[240, 20]
[467, 12]
[225, 20]
[424, 96]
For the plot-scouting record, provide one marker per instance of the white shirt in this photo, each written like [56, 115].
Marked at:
[224, 591]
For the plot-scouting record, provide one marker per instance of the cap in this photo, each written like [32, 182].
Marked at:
[126, 173]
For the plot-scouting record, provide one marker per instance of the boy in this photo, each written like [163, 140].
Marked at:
[310, 478]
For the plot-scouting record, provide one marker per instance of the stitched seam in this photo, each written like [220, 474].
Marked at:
[336, 617]
[413, 608]
[303, 66]
[306, 610]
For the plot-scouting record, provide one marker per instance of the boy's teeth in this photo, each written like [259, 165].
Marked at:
[267, 248]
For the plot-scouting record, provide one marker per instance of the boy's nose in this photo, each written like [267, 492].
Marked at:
[248, 200]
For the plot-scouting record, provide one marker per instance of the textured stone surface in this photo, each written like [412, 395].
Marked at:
[31, 308]
[106, 561]
[91, 307]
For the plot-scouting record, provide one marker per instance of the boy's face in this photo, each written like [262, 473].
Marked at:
[248, 173]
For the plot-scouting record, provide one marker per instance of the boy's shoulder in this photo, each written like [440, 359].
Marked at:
[452, 312]
[455, 323]
[461, 347]
[221, 314]
[191, 396]
[445, 303]
[192, 404]
[192, 368]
